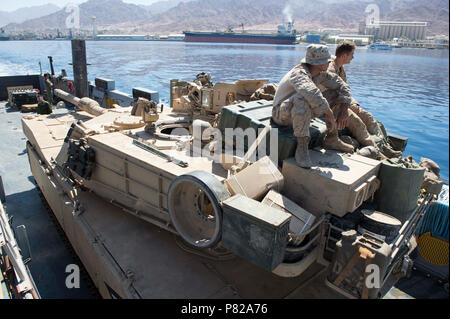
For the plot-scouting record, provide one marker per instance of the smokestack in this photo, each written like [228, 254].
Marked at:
[94, 27]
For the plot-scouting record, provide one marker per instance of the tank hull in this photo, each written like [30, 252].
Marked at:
[126, 253]
[125, 257]
[118, 220]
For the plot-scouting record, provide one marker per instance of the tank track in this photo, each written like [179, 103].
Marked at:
[84, 275]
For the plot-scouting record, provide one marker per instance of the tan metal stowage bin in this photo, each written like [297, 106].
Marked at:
[336, 183]
[301, 220]
[256, 180]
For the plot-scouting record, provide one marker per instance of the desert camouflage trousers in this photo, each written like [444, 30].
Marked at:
[358, 129]
[367, 118]
[296, 112]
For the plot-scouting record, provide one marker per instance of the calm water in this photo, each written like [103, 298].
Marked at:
[406, 89]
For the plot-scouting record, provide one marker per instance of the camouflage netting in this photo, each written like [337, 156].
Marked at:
[431, 180]
[265, 93]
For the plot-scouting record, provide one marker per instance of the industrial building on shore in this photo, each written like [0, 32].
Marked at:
[388, 30]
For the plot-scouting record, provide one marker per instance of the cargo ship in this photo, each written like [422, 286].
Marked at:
[283, 36]
[3, 36]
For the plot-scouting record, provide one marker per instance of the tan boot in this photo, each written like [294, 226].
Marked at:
[369, 141]
[333, 142]
[389, 152]
[381, 156]
[302, 153]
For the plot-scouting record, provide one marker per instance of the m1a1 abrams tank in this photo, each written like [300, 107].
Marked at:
[156, 208]
[204, 200]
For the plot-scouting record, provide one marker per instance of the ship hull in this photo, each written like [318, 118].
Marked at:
[239, 38]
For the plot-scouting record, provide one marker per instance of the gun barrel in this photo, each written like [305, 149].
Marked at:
[84, 104]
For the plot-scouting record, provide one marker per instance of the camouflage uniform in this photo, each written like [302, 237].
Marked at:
[366, 117]
[298, 98]
[361, 124]
[49, 88]
[353, 122]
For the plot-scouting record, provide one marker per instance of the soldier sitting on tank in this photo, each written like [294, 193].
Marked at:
[48, 88]
[298, 100]
[360, 122]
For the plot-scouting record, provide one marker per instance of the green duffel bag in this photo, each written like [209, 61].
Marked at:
[44, 108]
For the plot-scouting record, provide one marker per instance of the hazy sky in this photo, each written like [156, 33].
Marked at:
[17, 4]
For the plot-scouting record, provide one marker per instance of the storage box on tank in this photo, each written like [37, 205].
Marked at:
[177, 89]
[207, 98]
[301, 220]
[256, 180]
[335, 184]
[255, 231]
[178, 106]
[256, 115]
[353, 257]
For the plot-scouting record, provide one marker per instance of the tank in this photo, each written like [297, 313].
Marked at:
[131, 190]
[157, 204]
[127, 195]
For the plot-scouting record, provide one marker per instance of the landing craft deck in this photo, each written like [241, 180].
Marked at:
[50, 253]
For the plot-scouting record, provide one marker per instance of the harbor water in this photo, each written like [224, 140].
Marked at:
[406, 89]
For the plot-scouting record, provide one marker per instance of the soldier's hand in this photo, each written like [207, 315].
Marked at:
[342, 116]
[341, 123]
[356, 108]
[330, 120]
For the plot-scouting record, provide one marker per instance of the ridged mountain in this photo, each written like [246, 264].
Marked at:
[210, 15]
[24, 14]
[307, 15]
[107, 12]
[161, 6]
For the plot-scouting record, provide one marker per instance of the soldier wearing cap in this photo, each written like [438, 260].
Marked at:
[298, 100]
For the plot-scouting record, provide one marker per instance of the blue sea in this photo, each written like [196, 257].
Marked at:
[406, 89]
